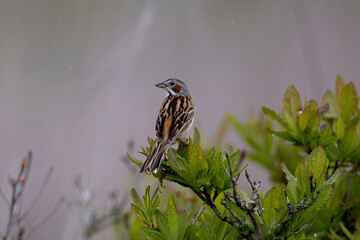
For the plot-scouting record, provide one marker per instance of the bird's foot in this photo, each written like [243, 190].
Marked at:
[163, 174]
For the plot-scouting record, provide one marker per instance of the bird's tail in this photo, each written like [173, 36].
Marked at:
[153, 161]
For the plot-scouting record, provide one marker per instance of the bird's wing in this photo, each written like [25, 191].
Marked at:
[175, 117]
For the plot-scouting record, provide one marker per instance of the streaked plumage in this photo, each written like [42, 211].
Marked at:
[175, 118]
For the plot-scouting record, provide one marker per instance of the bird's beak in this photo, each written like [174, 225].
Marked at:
[160, 85]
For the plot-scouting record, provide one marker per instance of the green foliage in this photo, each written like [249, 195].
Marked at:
[317, 147]
[263, 148]
[335, 127]
[232, 213]
[145, 210]
[172, 225]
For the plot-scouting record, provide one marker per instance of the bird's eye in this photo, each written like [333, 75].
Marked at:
[172, 84]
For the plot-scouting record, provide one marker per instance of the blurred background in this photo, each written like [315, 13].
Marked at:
[77, 80]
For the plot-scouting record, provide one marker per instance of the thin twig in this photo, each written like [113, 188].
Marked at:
[304, 203]
[240, 202]
[223, 202]
[253, 204]
[18, 186]
[4, 198]
[43, 219]
[39, 193]
[215, 210]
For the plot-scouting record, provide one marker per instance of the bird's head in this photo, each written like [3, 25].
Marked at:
[174, 87]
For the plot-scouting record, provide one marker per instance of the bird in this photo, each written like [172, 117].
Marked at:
[175, 118]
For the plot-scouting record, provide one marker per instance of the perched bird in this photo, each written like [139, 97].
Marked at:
[175, 118]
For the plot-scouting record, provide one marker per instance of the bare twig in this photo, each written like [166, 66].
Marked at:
[304, 203]
[4, 198]
[223, 202]
[240, 202]
[39, 193]
[43, 219]
[250, 209]
[215, 210]
[238, 199]
[15, 204]
[18, 186]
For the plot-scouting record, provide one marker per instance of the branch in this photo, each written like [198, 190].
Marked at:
[216, 211]
[43, 219]
[293, 209]
[238, 199]
[4, 198]
[39, 193]
[256, 199]
[240, 202]
[206, 198]
[18, 186]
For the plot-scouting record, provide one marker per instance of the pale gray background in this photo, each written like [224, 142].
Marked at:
[77, 78]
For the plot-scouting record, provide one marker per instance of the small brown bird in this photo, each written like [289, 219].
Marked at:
[175, 118]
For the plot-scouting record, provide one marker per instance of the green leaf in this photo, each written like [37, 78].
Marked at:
[240, 213]
[313, 116]
[292, 102]
[135, 197]
[139, 213]
[162, 224]
[191, 231]
[333, 179]
[339, 86]
[173, 218]
[303, 119]
[183, 224]
[135, 230]
[197, 137]
[284, 135]
[134, 160]
[346, 232]
[232, 235]
[151, 234]
[348, 101]
[348, 144]
[339, 193]
[273, 115]
[340, 128]
[146, 197]
[334, 110]
[292, 185]
[302, 177]
[327, 137]
[176, 162]
[196, 159]
[317, 163]
[274, 206]
[298, 236]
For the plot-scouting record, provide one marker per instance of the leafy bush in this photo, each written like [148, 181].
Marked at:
[314, 145]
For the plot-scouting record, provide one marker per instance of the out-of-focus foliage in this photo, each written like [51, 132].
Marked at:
[263, 148]
[335, 126]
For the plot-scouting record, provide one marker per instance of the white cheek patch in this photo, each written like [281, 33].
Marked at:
[169, 92]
